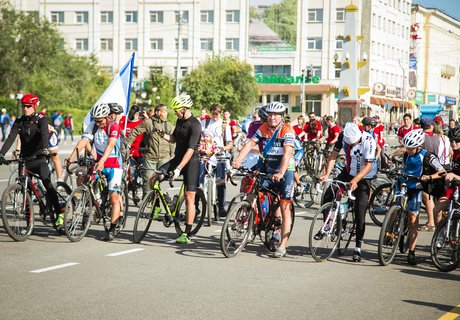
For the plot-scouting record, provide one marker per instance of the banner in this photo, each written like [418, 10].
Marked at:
[119, 91]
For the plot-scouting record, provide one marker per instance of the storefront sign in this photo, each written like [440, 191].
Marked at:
[419, 97]
[442, 99]
[378, 89]
[451, 100]
[431, 99]
[282, 79]
[393, 92]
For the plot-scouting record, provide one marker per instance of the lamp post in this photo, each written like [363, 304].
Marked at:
[302, 98]
[403, 94]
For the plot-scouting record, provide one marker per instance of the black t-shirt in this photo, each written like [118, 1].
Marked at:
[33, 132]
[187, 134]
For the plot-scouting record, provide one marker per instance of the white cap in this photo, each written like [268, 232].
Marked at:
[351, 133]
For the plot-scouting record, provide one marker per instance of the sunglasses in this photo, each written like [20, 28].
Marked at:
[99, 121]
[27, 105]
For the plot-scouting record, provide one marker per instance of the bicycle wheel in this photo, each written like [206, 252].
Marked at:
[77, 214]
[348, 232]
[200, 213]
[17, 212]
[380, 202]
[236, 199]
[209, 201]
[144, 217]
[306, 198]
[404, 242]
[325, 232]
[12, 178]
[270, 229]
[445, 246]
[236, 230]
[390, 235]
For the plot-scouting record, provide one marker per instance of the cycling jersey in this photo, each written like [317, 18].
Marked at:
[358, 155]
[101, 140]
[413, 165]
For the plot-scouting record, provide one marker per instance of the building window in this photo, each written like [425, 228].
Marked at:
[207, 16]
[183, 71]
[106, 16]
[106, 44]
[81, 44]
[57, 16]
[337, 73]
[339, 14]
[339, 44]
[81, 17]
[156, 16]
[131, 16]
[283, 98]
[315, 15]
[314, 43]
[232, 15]
[184, 44]
[184, 16]
[156, 70]
[206, 44]
[284, 70]
[131, 44]
[156, 44]
[232, 44]
[316, 71]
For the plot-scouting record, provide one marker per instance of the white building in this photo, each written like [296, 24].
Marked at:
[112, 30]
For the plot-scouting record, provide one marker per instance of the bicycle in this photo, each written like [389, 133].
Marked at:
[330, 225]
[18, 200]
[445, 244]
[395, 230]
[174, 212]
[253, 216]
[135, 179]
[210, 185]
[92, 192]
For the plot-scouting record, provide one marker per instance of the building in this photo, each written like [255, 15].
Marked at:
[435, 62]
[112, 30]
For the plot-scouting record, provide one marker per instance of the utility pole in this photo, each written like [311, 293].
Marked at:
[179, 44]
[302, 97]
[403, 94]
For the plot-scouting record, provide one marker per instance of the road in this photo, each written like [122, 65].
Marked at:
[47, 277]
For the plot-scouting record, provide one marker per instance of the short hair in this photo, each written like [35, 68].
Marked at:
[216, 108]
[407, 115]
[330, 118]
[451, 119]
[312, 113]
[159, 106]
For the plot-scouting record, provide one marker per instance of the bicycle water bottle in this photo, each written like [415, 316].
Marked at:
[344, 209]
[172, 203]
[264, 203]
[167, 197]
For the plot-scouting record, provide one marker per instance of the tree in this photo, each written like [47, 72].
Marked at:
[223, 80]
[282, 18]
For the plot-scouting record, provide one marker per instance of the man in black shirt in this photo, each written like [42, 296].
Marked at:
[186, 135]
[32, 129]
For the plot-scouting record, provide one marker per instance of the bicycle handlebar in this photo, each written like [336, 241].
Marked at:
[25, 159]
[346, 185]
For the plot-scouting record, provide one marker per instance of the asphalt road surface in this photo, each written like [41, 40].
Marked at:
[47, 277]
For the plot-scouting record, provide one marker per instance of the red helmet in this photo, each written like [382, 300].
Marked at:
[30, 99]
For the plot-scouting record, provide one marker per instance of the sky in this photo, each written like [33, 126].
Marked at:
[451, 7]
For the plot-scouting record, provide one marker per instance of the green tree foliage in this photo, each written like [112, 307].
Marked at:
[223, 80]
[282, 18]
[33, 59]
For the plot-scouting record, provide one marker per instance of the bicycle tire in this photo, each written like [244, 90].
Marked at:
[200, 213]
[390, 234]
[77, 214]
[380, 202]
[239, 197]
[237, 225]
[404, 242]
[307, 198]
[347, 233]
[445, 246]
[269, 230]
[12, 178]
[18, 225]
[330, 239]
[144, 216]
[209, 202]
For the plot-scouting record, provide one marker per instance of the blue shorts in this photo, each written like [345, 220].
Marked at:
[285, 188]
[114, 176]
[414, 200]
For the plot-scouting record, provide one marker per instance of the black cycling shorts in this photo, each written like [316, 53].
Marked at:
[190, 172]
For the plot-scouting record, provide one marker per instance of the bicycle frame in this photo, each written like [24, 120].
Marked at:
[174, 212]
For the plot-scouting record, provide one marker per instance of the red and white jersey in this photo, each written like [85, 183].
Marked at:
[101, 140]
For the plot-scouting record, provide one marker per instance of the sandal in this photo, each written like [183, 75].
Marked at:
[426, 228]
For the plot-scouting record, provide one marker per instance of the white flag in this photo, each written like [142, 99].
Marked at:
[119, 91]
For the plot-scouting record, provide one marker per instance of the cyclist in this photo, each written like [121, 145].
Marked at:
[32, 129]
[278, 161]
[418, 162]
[360, 150]
[106, 143]
[186, 135]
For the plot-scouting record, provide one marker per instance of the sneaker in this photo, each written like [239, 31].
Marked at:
[60, 220]
[184, 239]
[60, 229]
[356, 256]
[110, 235]
[222, 212]
[280, 252]
[441, 240]
[411, 259]
[319, 235]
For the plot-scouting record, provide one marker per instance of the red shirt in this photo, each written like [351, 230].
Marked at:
[298, 130]
[332, 132]
[137, 142]
[378, 132]
[405, 130]
[232, 125]
[312, 133]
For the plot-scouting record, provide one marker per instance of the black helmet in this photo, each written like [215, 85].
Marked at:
[263, 114]
[369, 121]
[115, 108]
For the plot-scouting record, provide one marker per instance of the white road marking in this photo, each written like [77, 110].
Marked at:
[59, 266]
[115, 254]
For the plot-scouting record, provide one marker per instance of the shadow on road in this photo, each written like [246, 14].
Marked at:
[431, 274]
[441, 307]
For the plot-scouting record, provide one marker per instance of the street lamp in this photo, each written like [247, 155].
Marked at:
[403, 94]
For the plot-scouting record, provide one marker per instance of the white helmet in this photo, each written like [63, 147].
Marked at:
[414, 138]
[275, 107]
[351, 133]
[100, 111]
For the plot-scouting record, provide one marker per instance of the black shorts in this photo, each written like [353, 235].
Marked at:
[190, 172]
